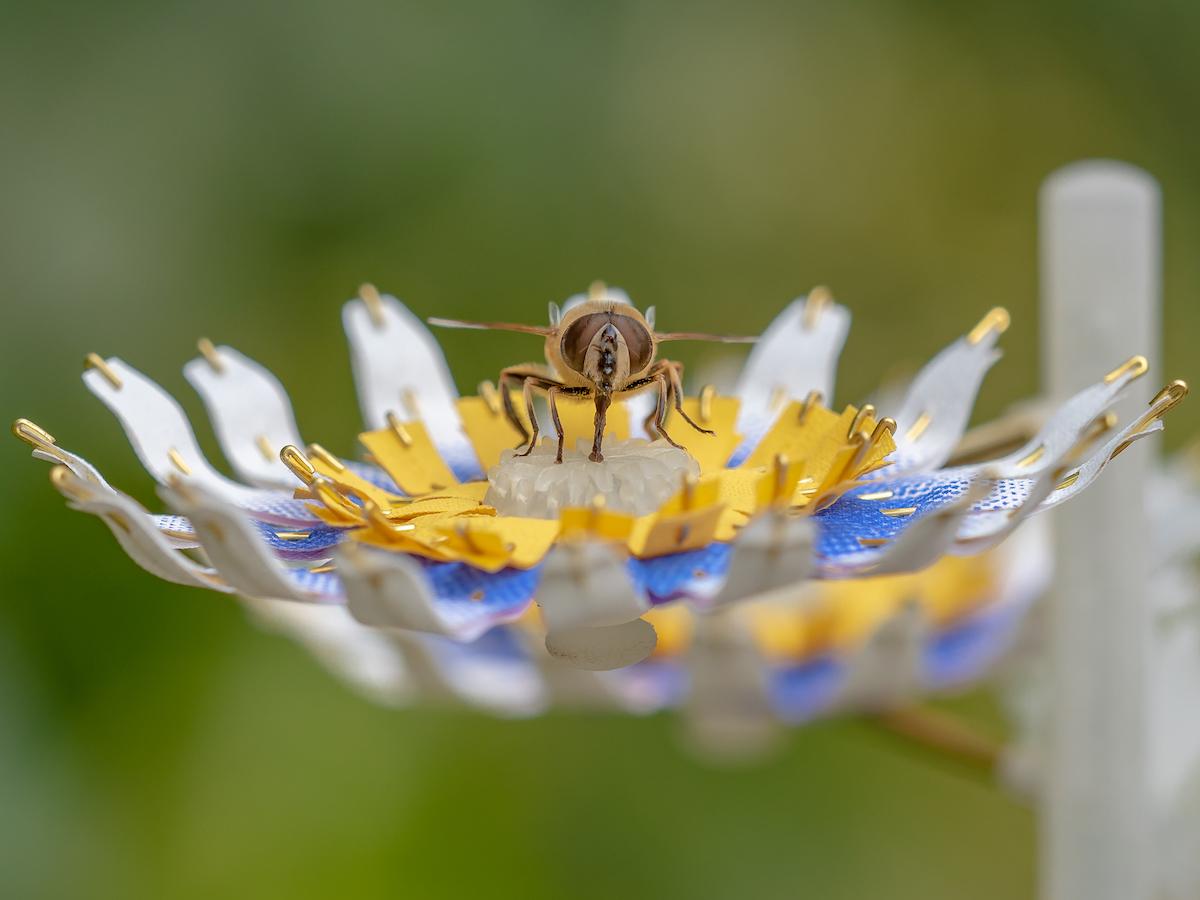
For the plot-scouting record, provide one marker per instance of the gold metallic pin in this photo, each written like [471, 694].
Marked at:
[318, 452]
[177, 461]
[408, 399]
[298, 463]
[867, 411]
[877, 495]
[264, 447]
[1067, 482]
[918, 427]
[32, 434]
[374, 303]
[1134, 367]
[997, 320]
[209, 352]
[818, 299]
[491, 397]
[95, 361]
[1032, 456]
[706, 403]
[813, 398]
[688, 497]
[402, 433]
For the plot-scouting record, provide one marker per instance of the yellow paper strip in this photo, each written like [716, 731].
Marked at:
[711, 451]
[488, 428]
[408, 455]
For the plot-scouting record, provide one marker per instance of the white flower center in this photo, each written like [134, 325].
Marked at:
[636, 477]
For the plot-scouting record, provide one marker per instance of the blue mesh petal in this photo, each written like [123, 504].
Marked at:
[318, 545]
[804, 691]
[667, 578]
[967, 649]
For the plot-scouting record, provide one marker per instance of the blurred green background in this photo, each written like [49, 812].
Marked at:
[235, 171]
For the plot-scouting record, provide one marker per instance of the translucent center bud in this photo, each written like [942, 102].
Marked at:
[636, 477]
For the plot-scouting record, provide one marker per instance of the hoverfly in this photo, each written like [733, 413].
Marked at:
[600, 348]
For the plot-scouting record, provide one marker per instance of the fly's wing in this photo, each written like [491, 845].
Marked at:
[542, 330]
[698, 336]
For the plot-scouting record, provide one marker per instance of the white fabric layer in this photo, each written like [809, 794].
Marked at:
[888, 667]
[587, 583]
[1066, 425]
[938, 405]
[390, 590]
[251, 415]
[165, 443]
[772, 552]
[398, 365]
[134, 529]
[591, 607]
[238, 553]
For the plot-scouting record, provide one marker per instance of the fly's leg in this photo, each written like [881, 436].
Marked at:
[552, 401]
[509, 378]
[603, 401]
[527, 393]
[660, 410]
[675, 373]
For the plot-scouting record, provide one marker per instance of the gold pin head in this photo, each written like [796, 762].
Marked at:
[867, 412]
[32, 434]
[997, 320]
[706, 402]
[819, 298]
[298, 464]
[370, 296]
[394, 423]
[96, 361]
[1134, 367]
[209, 352]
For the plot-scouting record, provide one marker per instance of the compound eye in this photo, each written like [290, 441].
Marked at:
[638, 340]
[577, 336]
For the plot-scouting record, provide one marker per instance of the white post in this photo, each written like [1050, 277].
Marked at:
[1100, 259]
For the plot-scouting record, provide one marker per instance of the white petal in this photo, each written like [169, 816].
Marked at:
[249, 409]
[390, 590]
[772, 552]
[397, 358]
[166, 444]
[938, 405]
[134, 528]
[793, 357]
[238, 553]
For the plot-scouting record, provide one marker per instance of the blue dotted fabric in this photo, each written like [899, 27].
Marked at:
[841, 525]
[666, 578]
[968, 648]
[802, 692]
[318, 545]
[464, 595]
[323, 586]
[281, 508]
